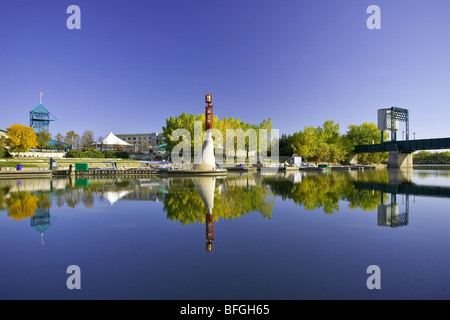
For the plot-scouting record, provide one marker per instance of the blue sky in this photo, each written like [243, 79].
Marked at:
[134, 63]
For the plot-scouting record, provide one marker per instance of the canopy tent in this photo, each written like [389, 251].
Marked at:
[112, 140]
[114, 196]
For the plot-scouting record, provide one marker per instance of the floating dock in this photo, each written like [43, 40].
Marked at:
[289, 169]
[242, 169]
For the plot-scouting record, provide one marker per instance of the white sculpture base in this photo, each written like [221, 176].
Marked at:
[205, 159]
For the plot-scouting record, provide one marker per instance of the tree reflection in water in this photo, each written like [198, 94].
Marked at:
[183, 202]
[233, 196]
[22, 205]
[327, 190]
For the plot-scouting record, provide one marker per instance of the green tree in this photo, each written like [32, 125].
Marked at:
[425, 157]
[43, 138]
[183, 121]
[364, 134]
[304, 143]
[285, 145]
[187, 122]
[2, 147]
[319, 144]
[21, 138]
[183, 203]
[333, 139]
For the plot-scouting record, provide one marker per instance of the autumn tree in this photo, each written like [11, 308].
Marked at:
[71, 138]
[60, 141]
[21, 138]
[42, 139]
[145, 146]
[87, 139]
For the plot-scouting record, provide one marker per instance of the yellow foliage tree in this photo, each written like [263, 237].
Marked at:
[21, 138]
[22, 205]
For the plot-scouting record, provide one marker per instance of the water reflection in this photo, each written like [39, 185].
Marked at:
[399, 183]
[193, 200]
[326, 190]
[23, 204]
[206, 187]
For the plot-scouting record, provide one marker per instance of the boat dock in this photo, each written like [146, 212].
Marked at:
[12, 173]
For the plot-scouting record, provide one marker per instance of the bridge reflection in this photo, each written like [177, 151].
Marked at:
[406, 188]
[389, 215]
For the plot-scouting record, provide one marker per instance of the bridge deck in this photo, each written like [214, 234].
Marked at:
[405, 146]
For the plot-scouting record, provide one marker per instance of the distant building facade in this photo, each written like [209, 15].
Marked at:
[3, 134]
[142, 141]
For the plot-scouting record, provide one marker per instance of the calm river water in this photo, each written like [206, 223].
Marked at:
[245, 236]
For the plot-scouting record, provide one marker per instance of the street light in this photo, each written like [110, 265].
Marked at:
[414, 135]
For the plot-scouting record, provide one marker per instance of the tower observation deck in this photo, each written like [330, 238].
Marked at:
[40, 117]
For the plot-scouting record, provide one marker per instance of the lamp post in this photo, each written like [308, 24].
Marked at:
[414, 135]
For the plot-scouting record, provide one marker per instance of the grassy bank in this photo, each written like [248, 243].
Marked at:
[13, 164]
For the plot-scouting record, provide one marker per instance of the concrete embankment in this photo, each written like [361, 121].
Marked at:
[22, 174]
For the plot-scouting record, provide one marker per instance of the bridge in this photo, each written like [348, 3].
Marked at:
[400, 152]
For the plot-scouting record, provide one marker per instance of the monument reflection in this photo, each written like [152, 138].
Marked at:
[205, 187]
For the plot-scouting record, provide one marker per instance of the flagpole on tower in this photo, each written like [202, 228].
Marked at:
[40, 96]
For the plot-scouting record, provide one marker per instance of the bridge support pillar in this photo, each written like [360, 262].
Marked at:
[400, 160]
[398, 176]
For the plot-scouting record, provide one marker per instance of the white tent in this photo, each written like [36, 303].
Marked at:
[113, 140]
[114, 196]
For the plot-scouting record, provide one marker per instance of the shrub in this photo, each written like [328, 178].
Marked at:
[97, 154]
[122, 154]
[93, 154]
[74, 154]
